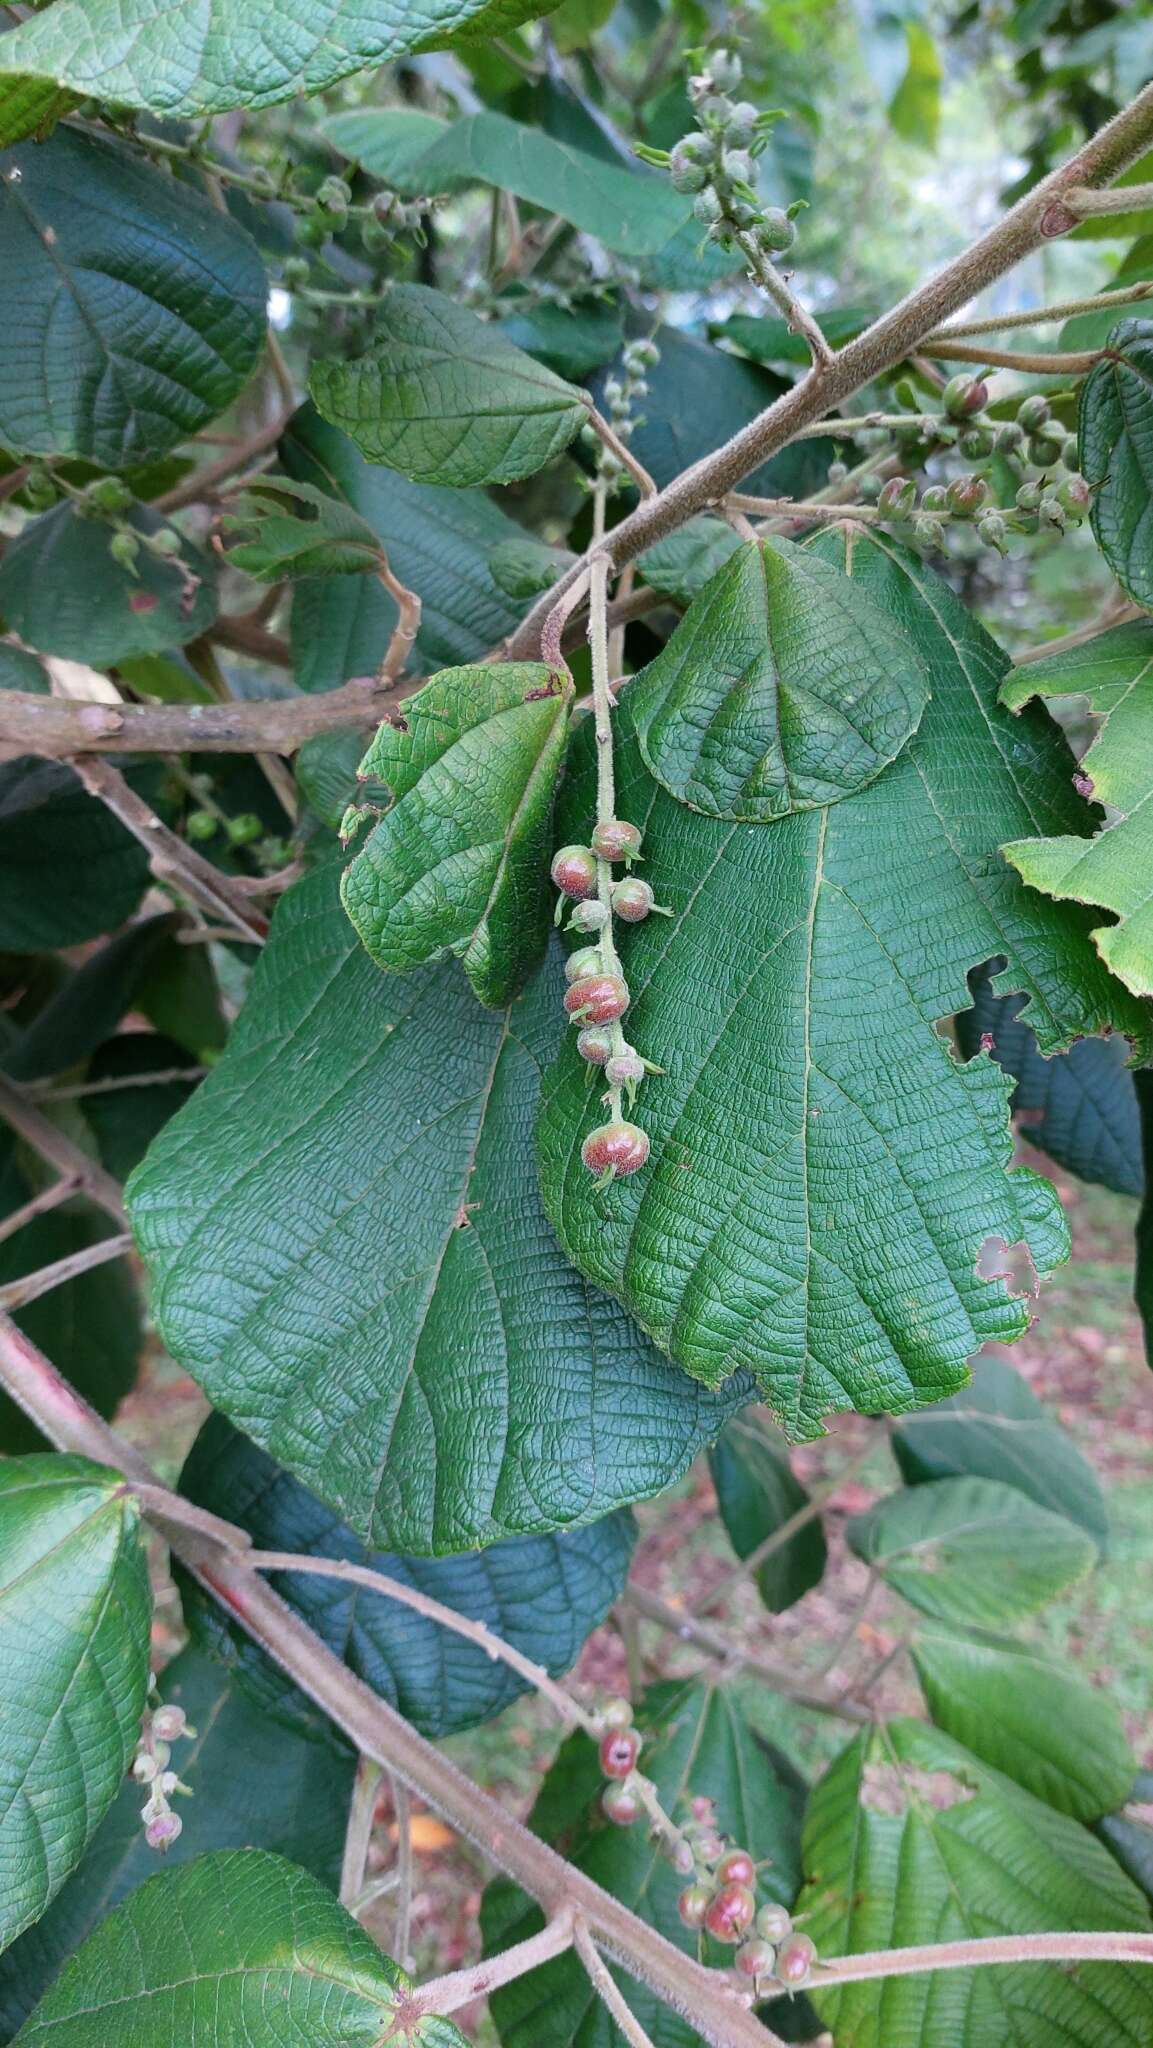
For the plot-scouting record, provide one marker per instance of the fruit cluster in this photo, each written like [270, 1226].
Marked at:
[159, 1729]
[715, 163]
[598, 995]
[619, 397]
[721, 1897]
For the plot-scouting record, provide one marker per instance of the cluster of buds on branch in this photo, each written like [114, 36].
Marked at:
[715, 162]
[159, 1729]
[619, 397]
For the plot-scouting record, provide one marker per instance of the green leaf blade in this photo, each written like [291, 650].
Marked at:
[1116, 441]
[782, 689]
[61, 590]
[446, 399]
[971, 1550]
[459, 863]
[757, 1495]
[75, 1613]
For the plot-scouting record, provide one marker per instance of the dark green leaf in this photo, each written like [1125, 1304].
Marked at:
[697, 1742]
[971, 1550]
[75, 1613]
[1092, 330]
[136, 311]
[69, 869]
[996, 1428]
[61, 590]
[628, 210]
[89, 1003]
[438, 542]
[1128, 1835]
[542, 1594]
[910, 1839]
[784, 687]
[1080, 1106]
[221, 55]
[823, 1170]
[688, 559]
[459, 864]
[387, 141]
[446, 399]
[256, 1785]
[1041, 1723]
[238, 1948]
[574, 339]
[769, 340]
[289, 529]
[757, 1493]
[700, 395]
[20, 670]
[348, 1253]
[523, 568]
[1116, 454]
[125, 1119]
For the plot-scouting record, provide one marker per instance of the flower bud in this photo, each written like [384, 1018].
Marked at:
[588, 917]
[168, 1723]
[725, 70]
[124, 549]
[966, 495]
[1009, 438]
[975, 443]
[935, 499]
[964, 395]
[1046, 450]
[992, 530]
[162, 1830]
[1075, 496]
[898, 497]
[741, 125]
[685, 173]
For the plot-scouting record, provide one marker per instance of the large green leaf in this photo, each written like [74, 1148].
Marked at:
[971, 1550]
[287, 529]
[256, 1785]
[685, 561]
[238, 1950]
[136, 311]
[221, 54]
[783, 688]
[627, 210]
[68, 869]
[910, 1839]
[823, 1170]
[446, 399]
[61, 590]
[459, 864]
[348, 1252]
[1116, 442]
[1113, 673]
[1079, 1106]
[75, 1615]
[997, 1429]
[698, 397]
[757, 1493]
[1039, 1722]
[697, 1742]
[542, 1594]
[438, 542]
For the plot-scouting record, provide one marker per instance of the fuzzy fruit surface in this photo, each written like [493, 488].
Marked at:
[595, 1044]
[619, 1751]
[622, 1146]
[774, 1922]
[616, 839]
[755, 1958]
[632, 899]
[597, 998]
[574, 870]
[585, 961]
[731, 1912]
[693, 1904]
[737, 1868]
[795, 1958]
[620, 1805]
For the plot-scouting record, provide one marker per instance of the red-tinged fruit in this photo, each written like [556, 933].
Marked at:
[585, 961]
[755, 1958]
[964, 395]
[774, 1921]
[620, 1805]
[595, 1044]
[731, 1913]
[618, 1148]
[616, 839]
[597, 998]
[737, 1867]
[574, 870]
[619, 1751]
[795, 1959]
[693, 1904]
[632, 900]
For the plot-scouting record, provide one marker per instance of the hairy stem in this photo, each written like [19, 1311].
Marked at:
[1075, 363]
[444, 1995]
[736, 1657]
[358, 1830]
[58, 727]
[604, 1985]
[623, 453]
[1040, 316]
[18, 1293]
[37, 1130]
[171, 861]
[763, 272]
[985, 1949]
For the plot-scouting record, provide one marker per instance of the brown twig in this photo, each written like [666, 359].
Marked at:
[358, 1831]
[59, 727]
[1075, 363]
[763, 272]
[39, 1205]
[203, 482]
[20, 1113]
[604, 1985]
[408, 608]
[979, 1953]
[444, 1995]
[623, 453]
[1041, 316]
[170, 859]
[736, 1656]
[30, 1286]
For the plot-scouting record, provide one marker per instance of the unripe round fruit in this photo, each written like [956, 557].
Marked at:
[595, 1045]
[1009, 438]
[693, 1904]
[620, 1805]
[624, 1067]
[1033, 413]
[755, 1958]
[199, 825]
[966, 495]
[124, 549]
[731, 1912]
[166, 542]
[964, 395]
[1046, 450]
[737, 1867]
[935, 499]
[586, 960]
[898, 497]
[168, 1723]
[776, 232]
[619, 1750]
[617, 1713]
[597, 998]
[295, 270]
[574, 870]
[616, 839]
[869, 489]
[620, 1147]
[707, 208]
[591, 916]
[39, 490]
[725, 70]
[108, 494]
[632, 900]
[1069, 453]
[991, 529]
[975, 443]
[926, 532]
[334, 195]
[774, 1921]
[311, 230]
[709, 1846]
[685, 175]
[1029, 497]
[737, 164]
[795, 1959]
[741, 125]
[244, 828]
[1074, 494]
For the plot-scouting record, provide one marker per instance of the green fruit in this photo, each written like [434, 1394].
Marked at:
[1033, 413]
[964, 395]
[124, 549]
[108, 494]
[776, 232]
[166, 542]
[244, 828]
[200, 825]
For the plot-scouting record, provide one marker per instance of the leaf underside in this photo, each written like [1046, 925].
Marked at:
[1115, 431]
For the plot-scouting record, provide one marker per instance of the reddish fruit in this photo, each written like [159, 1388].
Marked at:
[967, 495]
[624, 1068]
[680, 1855]
[617, 840]
[597, 998]
[619, 1751]
[693, 1904]
[617, 1713]
[795, 1959]
[586, 960]
[964, 395]
[705, 1809]
[595, 1045]
[619, 1148]
[755, 1958]
[731, 1912]
[737, 1868]
[632, 900]
[620, 1805]
[774, 1921]
[574, 870]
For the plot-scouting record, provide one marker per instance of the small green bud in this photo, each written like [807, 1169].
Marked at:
[992, 530]
[1009, 438]
[707, 208]
[742, 124]
[124, 549]
[200, 825]
[935, 499]
[39, 490]
[716, 108]
[311, 230]
[963, 396]
[166, 542]
[1074, 495]
[776, 232]
[898, 497]
[108, 494]
[737, 164]
[334, 196]
[966, 495]
[870, 489]
[244, 828]
[1051, 512]
[926, 532]
[1069, 453]
[1046, 450]
[294, 271]
[837, 472]
[975, 443]
[1033, 412]
[1029, 497]
[685, 174]
[725, 70]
